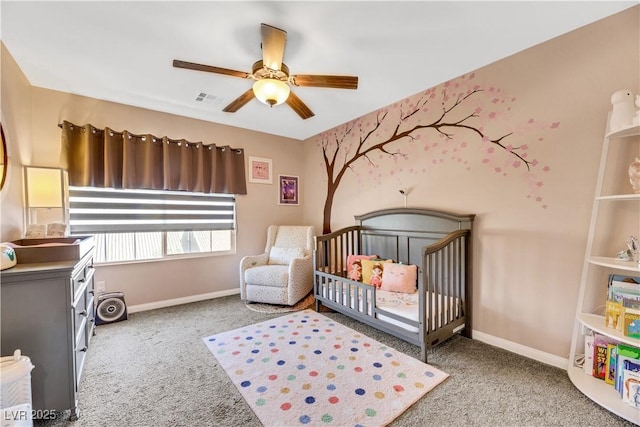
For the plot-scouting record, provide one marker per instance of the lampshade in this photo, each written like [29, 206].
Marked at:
[44, 187]
[271, 91]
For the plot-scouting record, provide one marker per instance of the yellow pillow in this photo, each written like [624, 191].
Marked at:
[368, 267]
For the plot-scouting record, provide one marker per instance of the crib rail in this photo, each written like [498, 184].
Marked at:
[332, 249]
[446, 279]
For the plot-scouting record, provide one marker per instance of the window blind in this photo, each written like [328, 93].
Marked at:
[106, 210]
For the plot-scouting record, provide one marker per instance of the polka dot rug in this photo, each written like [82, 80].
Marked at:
[307, 369]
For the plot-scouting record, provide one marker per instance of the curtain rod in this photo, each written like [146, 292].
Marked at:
[238, 150]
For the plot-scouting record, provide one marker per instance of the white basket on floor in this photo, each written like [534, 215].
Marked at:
[15, 386]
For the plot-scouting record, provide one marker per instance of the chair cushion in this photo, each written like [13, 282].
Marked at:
[267, 275]
[284, 256]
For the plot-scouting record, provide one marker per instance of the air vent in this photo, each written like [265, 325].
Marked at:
[207, 98]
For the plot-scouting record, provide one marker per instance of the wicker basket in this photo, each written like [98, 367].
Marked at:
[15, 385]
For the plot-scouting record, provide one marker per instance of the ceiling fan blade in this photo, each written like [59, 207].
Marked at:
[273, 41]
[239, 102]
[337, 82]
[210, 69]
[299, 107]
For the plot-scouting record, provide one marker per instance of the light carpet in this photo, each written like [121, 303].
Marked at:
[307, 369]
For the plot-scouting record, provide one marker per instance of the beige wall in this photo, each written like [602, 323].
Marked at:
[527, 257]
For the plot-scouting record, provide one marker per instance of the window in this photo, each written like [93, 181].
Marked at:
[131, 225]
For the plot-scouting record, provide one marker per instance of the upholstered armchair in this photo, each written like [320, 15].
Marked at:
[283, 274]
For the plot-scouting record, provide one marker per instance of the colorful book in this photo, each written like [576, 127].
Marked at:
[628, 356]
[631, 323]
[631, 387]
[613, 315]
[600, 356]
[612, 353]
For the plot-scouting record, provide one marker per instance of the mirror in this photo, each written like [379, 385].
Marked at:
[3, 159]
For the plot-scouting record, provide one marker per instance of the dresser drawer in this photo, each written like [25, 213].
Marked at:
[80, 352]
[83, 276]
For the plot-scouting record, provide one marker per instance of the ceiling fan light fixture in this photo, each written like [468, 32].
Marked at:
[271, 91]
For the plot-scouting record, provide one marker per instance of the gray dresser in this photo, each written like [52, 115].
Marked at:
[48, 313]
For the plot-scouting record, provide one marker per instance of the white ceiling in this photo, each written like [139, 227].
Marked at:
[123, 51]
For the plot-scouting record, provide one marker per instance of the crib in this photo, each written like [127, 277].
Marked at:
[438, 242]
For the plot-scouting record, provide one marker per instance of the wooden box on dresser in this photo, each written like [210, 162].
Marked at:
[615, 217]
[48, 313]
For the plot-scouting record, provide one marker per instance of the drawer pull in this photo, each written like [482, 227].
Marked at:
[92, 292]
[83, 313]
[84, 349]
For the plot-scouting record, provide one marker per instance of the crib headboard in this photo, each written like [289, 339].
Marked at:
[401, 233]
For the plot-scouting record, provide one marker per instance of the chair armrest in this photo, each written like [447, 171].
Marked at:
[248, 262]
[253, 261]
[301, 270]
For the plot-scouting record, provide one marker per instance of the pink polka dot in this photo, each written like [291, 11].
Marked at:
[398, 388]
[285, 406]
[313, 374]
[334, 399]
[273, 377]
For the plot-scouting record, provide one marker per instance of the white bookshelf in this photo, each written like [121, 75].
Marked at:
[598, 262]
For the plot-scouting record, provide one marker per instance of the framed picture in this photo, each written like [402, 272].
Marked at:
[260, 170]
[289, 190]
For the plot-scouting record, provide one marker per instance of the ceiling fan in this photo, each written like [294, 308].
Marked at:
[272, 78]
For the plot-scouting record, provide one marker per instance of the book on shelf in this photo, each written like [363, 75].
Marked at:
[601, 353]
[628, 358]
[587, 365]
[631, 323]
[612, 355]
[631, 387]
[623, 303]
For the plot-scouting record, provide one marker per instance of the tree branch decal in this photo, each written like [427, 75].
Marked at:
[455, 117]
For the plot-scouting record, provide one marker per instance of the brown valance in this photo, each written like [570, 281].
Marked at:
[107, 158]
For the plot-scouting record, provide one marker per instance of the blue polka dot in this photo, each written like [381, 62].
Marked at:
[272, 344]
[250, 360]
[307, 337]
[292, 342]
[255, 351]
[300, 366]
[360, 392]
[429, 374]
[305, 419]
[388, 355]
[249, 338]
[212, 339]
[261, 389]
[333, 358]
[377, 377]
[310, 399]
[303, 321]
[245, 383]
[331, 387]
[377, 365]
[281, 362]
[318, 352]
[316, 330]
[272, 326]
[354, 349]
[354, 341]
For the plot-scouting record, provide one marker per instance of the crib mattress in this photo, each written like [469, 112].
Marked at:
[401, 304]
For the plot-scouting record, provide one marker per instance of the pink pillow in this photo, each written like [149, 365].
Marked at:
[399, 278]
[355, 273]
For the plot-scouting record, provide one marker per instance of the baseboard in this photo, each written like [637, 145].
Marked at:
[532, 353]
[177, 301]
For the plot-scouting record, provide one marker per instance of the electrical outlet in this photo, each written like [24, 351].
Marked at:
[101, 287]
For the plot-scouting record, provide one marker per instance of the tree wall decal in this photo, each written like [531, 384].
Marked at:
[456, 111]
